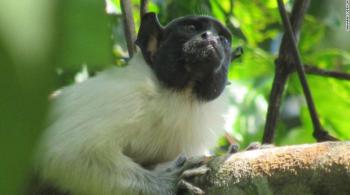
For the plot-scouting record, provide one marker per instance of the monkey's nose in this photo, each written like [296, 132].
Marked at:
[207, 35]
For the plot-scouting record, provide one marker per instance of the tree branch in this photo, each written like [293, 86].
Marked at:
[129, 26]
[143, 7]
[283, 67]
[319, 133]
[310, 69]
[321, 168]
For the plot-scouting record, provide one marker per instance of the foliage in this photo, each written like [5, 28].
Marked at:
[45, 45]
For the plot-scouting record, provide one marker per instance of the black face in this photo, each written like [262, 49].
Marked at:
[191, 51]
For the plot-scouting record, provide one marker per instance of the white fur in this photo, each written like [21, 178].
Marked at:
[102, 129]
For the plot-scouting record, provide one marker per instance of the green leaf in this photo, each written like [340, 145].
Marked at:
[84, 34]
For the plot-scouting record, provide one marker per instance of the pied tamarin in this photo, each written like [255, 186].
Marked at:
[104, 134]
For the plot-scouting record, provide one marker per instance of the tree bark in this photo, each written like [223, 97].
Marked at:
[321, 168]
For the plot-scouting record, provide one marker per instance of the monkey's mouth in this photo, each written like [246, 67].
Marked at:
[203, 49]
[203, 56]
[215, 48]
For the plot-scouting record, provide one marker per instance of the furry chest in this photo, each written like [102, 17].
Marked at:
[172, 123]
[165, 133]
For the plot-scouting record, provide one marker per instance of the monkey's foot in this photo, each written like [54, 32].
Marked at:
[258, 146]
[196, 167]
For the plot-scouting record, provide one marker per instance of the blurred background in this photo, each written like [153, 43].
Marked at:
[45, 45]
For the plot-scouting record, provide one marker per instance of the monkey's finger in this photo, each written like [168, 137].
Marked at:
[180, 160]
[253, 146]
[195, 162]
[257, 146]
[184, 185]
[233, 149]
[202, 170]
[178, 164]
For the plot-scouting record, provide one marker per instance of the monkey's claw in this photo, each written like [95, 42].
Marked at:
[195, 172]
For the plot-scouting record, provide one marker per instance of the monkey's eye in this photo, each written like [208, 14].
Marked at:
[224, 40]
[190, 28]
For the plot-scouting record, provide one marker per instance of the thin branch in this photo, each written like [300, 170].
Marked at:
[283, 67]
[310, 69]
[231, 140]
[296, 19]
[231, 6]
[276, 94]
[129, 26]
[319, 133]
[143, 7]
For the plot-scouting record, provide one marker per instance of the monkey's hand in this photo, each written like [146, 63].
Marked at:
[183, 168]
[189, 174]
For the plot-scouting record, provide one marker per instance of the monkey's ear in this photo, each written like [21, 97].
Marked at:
[149, 35]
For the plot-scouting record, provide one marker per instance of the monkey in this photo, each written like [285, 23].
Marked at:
[129, 130]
